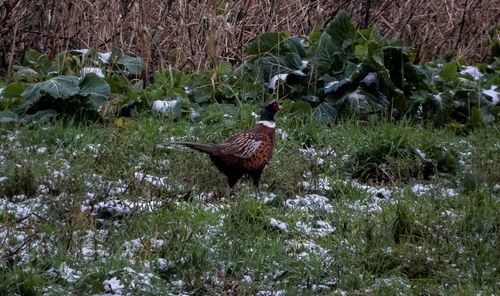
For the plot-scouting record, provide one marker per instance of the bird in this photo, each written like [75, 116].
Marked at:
[245, 153]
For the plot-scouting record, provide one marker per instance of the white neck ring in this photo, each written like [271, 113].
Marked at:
[267, 123]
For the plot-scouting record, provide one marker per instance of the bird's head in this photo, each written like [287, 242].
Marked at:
[269, 110]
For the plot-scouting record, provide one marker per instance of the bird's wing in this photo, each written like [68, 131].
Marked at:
[243, 145]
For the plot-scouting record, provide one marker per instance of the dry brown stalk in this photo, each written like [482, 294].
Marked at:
[198, 34]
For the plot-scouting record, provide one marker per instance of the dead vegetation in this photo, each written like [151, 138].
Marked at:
[197, 34]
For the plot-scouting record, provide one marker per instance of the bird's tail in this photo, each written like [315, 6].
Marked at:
[205, 148]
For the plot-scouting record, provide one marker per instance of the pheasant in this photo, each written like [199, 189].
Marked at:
[245, 153]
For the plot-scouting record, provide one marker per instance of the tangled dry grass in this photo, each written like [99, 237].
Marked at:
[197, 34]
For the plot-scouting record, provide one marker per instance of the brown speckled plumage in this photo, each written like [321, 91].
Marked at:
[245, 153]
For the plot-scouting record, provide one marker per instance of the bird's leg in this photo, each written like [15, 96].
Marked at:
[229, 192]
[256, 179]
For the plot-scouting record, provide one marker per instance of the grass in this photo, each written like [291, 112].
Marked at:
[83, 205]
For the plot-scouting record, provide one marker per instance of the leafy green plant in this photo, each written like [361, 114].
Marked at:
[344, 71]
[78, 83]
[61, 95]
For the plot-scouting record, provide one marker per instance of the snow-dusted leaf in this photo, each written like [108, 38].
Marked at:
[325, 113]
[60, 87]
[96, 88]
[134, 65]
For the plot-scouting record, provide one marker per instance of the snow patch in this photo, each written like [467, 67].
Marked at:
[330, 84]
[153, 180]
[472, 71]
[437, 98]
[271, 293]
[303, 64]
[322, 184]
[204, 196]
[113, 286]
[282, 134]
[378, 192]
[164, 106]
[310, 202]
[65, 272]
[278, 224]
[421, 189]
[118, 207]
[93, 244]
[92, 70]
[493, 93]
[274, 80]
[306, 249]
[320, 228]
[41, 150]
[194, 115]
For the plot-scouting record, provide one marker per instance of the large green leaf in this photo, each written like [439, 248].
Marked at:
[226, 91]
[250, 90]
[60, 87]
[39, 62]
[336, 86]
[96, 88]
[449, 72]
[118, 84]
[342, 31]
[133, 65]
[323, 55]
[325, 113]
[299, 109]
[41, 116]
[266, 43]
[8, 117]
[296, 45]
[14, 90]
[362, 102]
[22, 73]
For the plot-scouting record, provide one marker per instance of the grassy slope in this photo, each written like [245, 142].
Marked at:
[180, 241]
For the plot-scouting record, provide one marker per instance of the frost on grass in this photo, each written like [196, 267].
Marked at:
[318, 228]
[113, 286]
[130, 282]
[164, 106]
[378, 192]
[278, 224]
[271, 293]
[116, 207]
[378, 196]
[153, 180]
[322, 184]
[22, 207]
[266, 197]
[282, 134]
[20, 243]
[93, 244]
[422, 189]
[204, 196]
[66, 273]
[319, 157]
[133, 247]
[104, 198]
[310, 202]
[305, 250]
